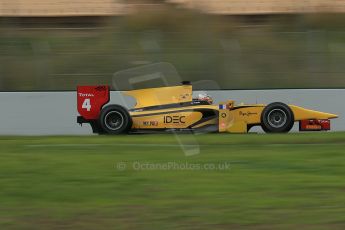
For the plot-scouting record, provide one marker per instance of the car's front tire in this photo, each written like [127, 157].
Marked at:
[277, 117]
[115, 119]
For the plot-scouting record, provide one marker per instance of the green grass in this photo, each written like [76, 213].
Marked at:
[275, 182]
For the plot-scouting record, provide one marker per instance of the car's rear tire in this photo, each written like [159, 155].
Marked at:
[277, 117]
[115, 119]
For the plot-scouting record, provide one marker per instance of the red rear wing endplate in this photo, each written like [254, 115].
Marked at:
[91, 99]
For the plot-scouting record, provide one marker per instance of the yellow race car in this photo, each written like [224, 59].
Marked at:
[174, 109]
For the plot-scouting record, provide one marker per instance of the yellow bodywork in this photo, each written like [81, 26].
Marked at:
[238, 119]
[304, 114]
[172, 120]
[161, 96]
[181, 115]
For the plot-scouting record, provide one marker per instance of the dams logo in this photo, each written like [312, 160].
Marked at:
[174, 119]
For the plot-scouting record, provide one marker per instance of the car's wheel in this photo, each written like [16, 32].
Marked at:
[115, 119]
[277, 117]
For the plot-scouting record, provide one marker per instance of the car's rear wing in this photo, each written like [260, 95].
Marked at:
[91, 99]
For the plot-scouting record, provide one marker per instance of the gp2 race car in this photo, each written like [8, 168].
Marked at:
[174, 109]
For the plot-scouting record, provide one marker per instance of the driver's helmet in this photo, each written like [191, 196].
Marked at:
[203, 96]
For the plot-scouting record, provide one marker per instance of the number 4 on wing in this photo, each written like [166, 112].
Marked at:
[86, 104]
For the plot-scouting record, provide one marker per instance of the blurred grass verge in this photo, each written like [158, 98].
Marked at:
[288, 181]
[238, 52]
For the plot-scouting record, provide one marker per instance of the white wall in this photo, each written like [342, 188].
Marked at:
[54, 113]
